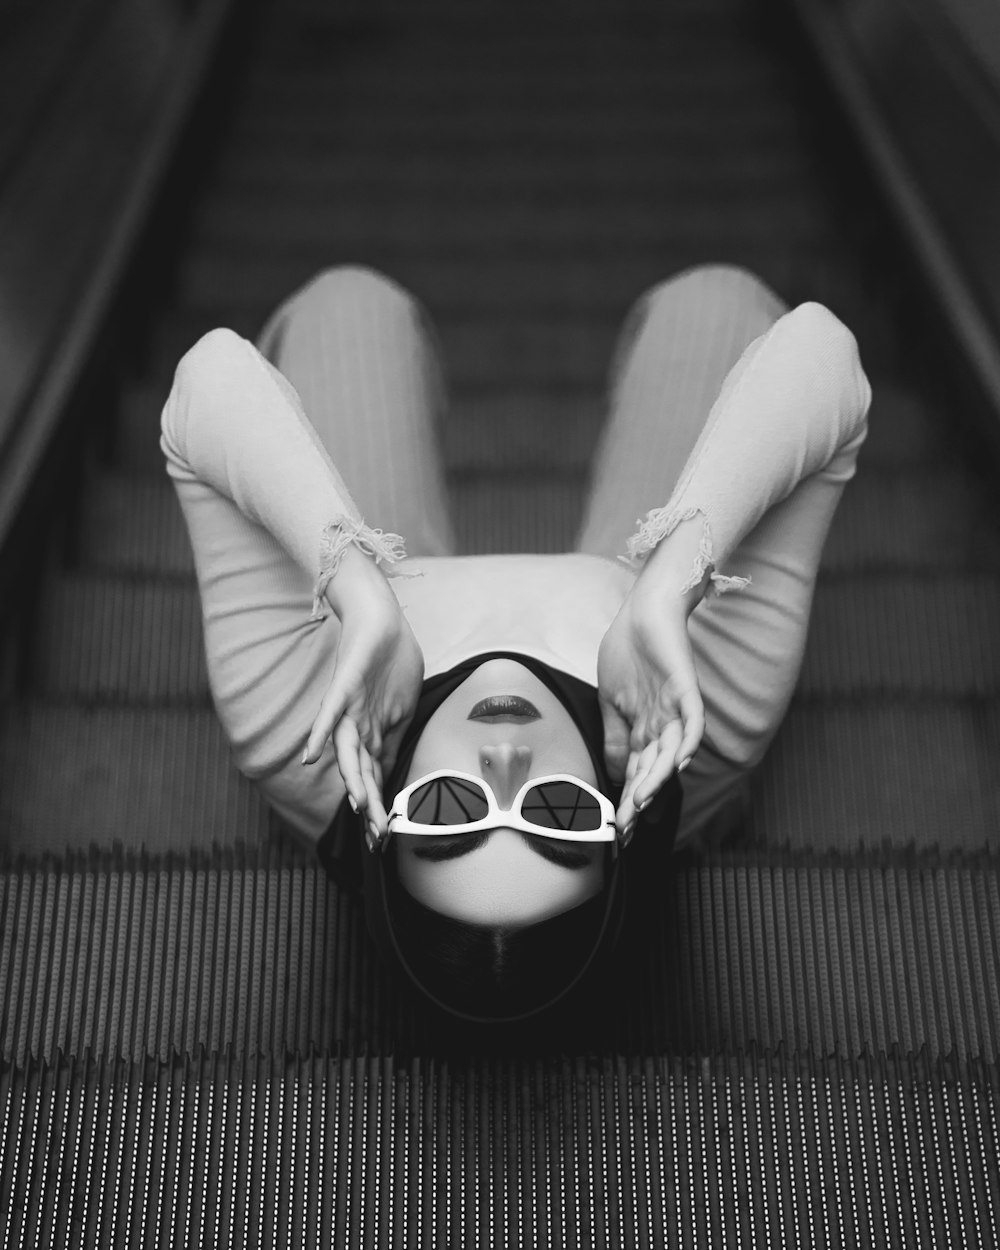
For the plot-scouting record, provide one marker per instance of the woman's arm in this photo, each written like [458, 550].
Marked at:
[793, 409]
[235, 423]
[235, 436]
[795, 400]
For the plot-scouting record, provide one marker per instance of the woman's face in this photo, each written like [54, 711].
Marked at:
[506, 726]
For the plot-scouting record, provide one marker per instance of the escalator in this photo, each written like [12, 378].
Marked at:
[198, 1046]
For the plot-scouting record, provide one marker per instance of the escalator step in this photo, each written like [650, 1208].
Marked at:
[381, 1153]
[494, 430]
[106, 638]
[642, 84]
[455, 226]
[259, 181]
[478, 285]
[933, 518]
[898, 774]
[511, 430]
[134, 525]
[258, 176]
[542, 353]
[919, 636]
[256, 952]
[65, 769]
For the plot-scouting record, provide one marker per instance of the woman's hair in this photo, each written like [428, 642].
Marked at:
[492, 971]
[487, 972]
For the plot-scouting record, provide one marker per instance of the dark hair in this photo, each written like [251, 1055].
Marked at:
[492, 971]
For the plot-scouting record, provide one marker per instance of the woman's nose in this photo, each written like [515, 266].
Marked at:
[506, 767]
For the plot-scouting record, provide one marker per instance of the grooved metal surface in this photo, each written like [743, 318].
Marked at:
[498, 427]
[890, 772]
[161, 777]
[138, 641]
[257, 953]
[632, 1152]
[132, 523]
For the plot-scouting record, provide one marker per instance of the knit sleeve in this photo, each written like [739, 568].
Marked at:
[236, 423]
[797, 398]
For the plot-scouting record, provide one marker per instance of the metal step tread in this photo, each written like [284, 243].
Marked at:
[528, 282]
[507, 429]
[252, 953]
[865, 773]
[266, 175]
[351, 221]
[894, 774]
[105, 637]
[155, 777]
[381, 1151]
[133, 524]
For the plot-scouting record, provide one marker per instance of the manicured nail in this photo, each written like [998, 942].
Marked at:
[373, 830]
[683, 764]
[305, 756]
[354, 806]
[645, 803]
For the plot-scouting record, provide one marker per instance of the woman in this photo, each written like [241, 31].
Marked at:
[344, 668]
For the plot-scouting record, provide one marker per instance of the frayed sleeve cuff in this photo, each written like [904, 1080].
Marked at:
[342, 532]
[659, 524]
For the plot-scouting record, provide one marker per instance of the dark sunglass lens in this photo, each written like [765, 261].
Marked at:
[447, 801]
[562, 805]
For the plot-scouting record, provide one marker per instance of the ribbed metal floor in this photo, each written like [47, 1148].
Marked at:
[614, 1152]
[196, 1044]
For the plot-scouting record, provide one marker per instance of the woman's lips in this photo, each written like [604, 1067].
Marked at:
[504, 707]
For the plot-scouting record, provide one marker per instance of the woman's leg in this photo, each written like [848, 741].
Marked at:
[748, 644]
[679, 342]
[361, 353]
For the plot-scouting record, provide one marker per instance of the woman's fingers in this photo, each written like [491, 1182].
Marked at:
[693, 716]
[331, 711]
[638, 762]
[373, 792]
[646, 760]
[616, 741]
[660, 767]
[348, 747]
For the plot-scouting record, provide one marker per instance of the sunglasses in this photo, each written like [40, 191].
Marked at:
[559, 806]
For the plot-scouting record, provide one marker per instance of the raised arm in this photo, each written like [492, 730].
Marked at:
[233, 424]
[795, 400]
[793, 409]
[269, 461]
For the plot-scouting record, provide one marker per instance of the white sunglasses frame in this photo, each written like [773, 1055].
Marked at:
[499, 818]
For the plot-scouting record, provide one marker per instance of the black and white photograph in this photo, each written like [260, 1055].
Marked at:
[499, 624]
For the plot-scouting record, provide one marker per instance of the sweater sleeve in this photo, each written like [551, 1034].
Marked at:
[796, 398]
[236, 423]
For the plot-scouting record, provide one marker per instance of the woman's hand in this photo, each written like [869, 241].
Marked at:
[648, 691]
[376, 682]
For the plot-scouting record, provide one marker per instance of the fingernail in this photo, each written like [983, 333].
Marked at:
[305, 756]
[645, 803]
[683, 764]
[354, 806]
[373, 830]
